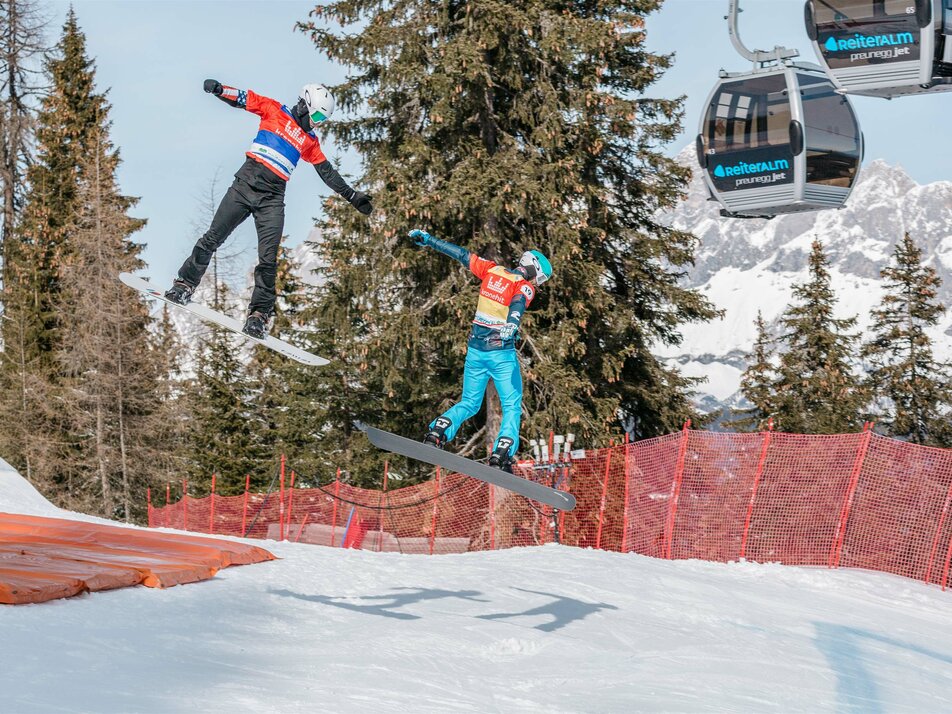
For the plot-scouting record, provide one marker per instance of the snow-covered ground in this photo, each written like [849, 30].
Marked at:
[551, 629]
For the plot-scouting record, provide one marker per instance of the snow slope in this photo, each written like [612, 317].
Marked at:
[17, 495]
[551, 629]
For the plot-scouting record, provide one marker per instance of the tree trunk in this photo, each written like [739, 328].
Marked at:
[121, 407]
[101, 460]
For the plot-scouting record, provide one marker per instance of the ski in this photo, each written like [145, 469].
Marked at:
[453, 462]
[229, 323]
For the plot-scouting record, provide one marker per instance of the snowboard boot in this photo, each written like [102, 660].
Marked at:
[499, 459]
[436, 436]
[256, 325]
[180, 293]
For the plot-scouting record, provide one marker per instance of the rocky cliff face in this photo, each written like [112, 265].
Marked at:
[746, 265]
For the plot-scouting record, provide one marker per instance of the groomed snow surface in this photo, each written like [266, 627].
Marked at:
[550, 629]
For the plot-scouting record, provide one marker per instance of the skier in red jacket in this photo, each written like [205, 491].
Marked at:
[285, 135]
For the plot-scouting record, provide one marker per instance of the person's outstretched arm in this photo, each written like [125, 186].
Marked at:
[456, 252]
[329, 175]
[231, 96]
[246, 99]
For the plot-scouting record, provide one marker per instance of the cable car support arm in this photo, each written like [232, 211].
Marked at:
[761, 57]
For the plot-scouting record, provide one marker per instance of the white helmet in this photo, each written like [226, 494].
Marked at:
[319, 102]
[541, 267]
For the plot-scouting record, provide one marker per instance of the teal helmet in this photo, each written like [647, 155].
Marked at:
[539, 263]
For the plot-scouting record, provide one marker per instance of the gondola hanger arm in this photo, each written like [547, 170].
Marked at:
[760, 57]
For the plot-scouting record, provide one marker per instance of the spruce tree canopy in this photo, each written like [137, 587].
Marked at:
[506, 127]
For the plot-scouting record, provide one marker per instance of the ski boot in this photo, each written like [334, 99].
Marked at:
[436, 436]
[256, 325]
[500, 459]
[180, 293]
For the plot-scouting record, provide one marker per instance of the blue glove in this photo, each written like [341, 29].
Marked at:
[508, 330]
[420, 237]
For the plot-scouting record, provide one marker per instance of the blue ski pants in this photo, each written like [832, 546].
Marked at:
[502, 366]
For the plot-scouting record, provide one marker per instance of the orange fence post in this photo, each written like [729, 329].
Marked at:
[244, 508]
[211, 513]
[753, 489]
[168, 500]
[184, 504]
[436, 501]
[561, 533]
[301, 529]
[281, 503]
[287, 524]
[676, 490]
[148, 500]
[624, 512]
[945, 569]
[378, 544]
[601, 508]
[334, 517]
[938, 531]
[836, 551]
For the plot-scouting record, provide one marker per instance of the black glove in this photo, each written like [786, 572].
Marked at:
[213, 86]
[361, 201]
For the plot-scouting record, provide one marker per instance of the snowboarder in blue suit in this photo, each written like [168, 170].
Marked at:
[504, 295]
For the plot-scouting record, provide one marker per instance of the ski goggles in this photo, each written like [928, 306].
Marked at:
[317, 117]
[530, 260]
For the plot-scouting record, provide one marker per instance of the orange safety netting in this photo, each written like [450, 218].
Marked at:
[856, 500]
[46, 558]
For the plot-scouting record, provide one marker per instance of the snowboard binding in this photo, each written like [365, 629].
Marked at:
[500, 458]
[256, 325]
[436, 436]
[180, 293]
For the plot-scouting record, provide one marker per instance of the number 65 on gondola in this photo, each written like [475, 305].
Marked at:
[883, 48]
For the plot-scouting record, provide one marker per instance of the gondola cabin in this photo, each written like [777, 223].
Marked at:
[883, 48]
[780, 140]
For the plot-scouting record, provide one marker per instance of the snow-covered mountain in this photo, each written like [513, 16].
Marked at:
[746, 265]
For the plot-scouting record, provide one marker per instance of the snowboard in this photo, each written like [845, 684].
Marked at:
[229, 323]
[437, 457]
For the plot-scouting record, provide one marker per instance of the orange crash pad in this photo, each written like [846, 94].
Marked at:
[47, 558]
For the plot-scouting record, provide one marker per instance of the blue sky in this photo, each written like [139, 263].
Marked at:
[175, 140]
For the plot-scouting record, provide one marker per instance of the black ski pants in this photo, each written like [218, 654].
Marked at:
[240, 201]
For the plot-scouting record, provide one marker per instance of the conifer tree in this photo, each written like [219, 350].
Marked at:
[505, 127]
[29, 376]
[108, 372]
[66, 132]
[916, 390]
[22, 47]
[817, 390]
[757, 383]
